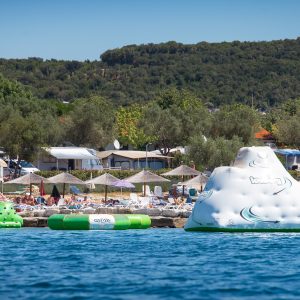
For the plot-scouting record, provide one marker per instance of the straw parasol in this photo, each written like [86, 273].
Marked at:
[146, 177]
[28, 179]
[104, 179]
[65, 178]
[182, 170]
[196, 182]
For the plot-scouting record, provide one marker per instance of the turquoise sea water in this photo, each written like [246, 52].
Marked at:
[147, 264]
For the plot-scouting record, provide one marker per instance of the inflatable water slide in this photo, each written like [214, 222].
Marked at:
[256, 194]
[8, 216]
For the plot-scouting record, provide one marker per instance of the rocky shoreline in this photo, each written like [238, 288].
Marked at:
[160, 218]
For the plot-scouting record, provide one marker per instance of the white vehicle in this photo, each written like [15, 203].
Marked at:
[25, 166]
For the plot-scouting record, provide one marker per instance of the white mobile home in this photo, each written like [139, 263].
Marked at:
[68, 158]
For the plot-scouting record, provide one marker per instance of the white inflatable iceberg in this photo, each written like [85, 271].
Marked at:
[255, 194]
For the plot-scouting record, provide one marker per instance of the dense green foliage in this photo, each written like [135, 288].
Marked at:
[220, 73]
[212, 153]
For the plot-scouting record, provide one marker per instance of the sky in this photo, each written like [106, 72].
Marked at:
[83, 29]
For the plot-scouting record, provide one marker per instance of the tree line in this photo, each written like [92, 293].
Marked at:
[262, 74]
[175, 117]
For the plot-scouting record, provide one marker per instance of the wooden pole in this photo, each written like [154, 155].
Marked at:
[30, 189]
[64, 186]
[105, 193]
[144, 189]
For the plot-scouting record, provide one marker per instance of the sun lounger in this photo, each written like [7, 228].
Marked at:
[144, 201]
[75, 190]
[158, 191]
[148, 191]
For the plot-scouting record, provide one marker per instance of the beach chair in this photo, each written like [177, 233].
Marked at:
[171, 201]
[61, 202]
[158, 191]
[148, 191]
[75, 190]
[144, 202]
[133, 200]
[171, 204]
[193, 194]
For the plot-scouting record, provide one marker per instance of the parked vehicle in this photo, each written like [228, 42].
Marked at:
[24, 167]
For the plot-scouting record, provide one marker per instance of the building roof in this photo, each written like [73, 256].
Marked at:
[287, 152]
[263, 134]
[70, 153]
[129, 154]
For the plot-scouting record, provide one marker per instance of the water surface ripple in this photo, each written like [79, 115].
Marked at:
[148, 264]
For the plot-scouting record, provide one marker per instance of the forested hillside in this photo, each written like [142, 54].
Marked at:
[219, 73]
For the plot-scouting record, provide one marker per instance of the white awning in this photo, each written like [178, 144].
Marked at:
[70, 153]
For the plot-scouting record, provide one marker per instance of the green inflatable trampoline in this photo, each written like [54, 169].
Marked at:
[98, 222]
[9, 217]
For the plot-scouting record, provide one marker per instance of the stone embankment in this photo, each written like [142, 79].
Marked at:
[160, 217]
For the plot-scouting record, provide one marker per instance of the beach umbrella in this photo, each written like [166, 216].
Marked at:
[28, 179]
[197, 182]
[65, 178]
[122, 183]
[182, 170]
[105, 179]
[146, 177]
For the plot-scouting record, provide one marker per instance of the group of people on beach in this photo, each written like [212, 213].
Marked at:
[30, 200]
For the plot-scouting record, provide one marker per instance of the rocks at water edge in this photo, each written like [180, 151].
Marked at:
[35, 222]
[160, 217]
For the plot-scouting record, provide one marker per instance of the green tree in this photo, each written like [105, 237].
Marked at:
[91, 122]
[127, 120]
[173, 118]
[235, 120]
[212, 153]
[287, 131]
[23, 137]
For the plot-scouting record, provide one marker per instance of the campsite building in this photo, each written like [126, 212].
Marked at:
[129, 159]
[68, 158]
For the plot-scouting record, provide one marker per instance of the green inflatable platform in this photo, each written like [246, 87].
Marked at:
[9, 217]
[98, 222]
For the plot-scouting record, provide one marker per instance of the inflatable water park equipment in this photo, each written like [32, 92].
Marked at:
[98, 222]
[8, 216]
[255, 194]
